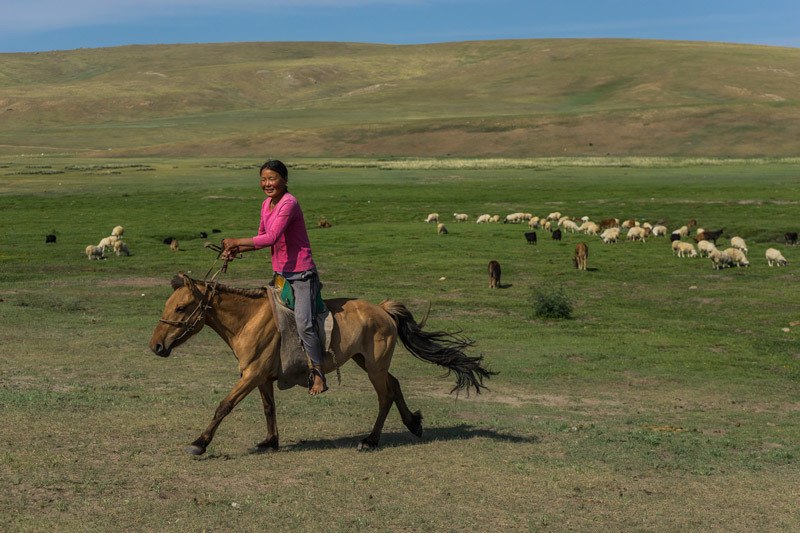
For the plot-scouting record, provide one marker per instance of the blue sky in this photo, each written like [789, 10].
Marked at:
[39, 25]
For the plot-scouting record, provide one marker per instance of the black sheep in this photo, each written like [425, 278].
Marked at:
[557, 235]
[530, 236]
[52, 238]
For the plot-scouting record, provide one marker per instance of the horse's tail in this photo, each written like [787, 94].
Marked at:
[440, 347]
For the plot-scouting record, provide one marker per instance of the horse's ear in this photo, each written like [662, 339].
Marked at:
[179, 281]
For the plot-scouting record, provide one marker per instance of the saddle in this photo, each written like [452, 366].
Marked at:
[295, 364]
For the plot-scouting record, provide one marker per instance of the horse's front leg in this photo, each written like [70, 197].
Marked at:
[269, 444]
[245, 385]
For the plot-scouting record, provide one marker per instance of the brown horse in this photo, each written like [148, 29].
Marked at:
[363, 332]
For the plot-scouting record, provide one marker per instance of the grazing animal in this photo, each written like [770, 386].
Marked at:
[569, 225]
[441, 229]
[94, 252]
[461, 217]
[495, 218]
[117, 231]
[774, 257]
[120, 248]
[323, 223]
[711, 235]
[203, 235]
[692, 223]
[705, 248]
[108, 242]
[659, 231]
[683, 249]
[215, 230]
[168, 240]
[674, 236]
[530, 236]
[737, 257]
[557, 235]
[609, 223]
[739, 244]
[174, 245]
[433, 217]
[581, 256]
[719, 259]
[610, 235]
[51, 238]
[637, 233]
[483, 219]
[364, 332]
[790, 237]
[494, 275]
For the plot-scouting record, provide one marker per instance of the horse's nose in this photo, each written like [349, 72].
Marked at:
[160, 350]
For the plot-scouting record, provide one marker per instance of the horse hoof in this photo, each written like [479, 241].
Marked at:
[194, 449]
[365, 446]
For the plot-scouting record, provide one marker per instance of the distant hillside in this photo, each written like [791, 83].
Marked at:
[519, 98]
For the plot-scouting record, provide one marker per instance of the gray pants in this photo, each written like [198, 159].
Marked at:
[306, 287]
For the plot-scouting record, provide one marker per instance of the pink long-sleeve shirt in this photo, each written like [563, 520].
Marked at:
[284, 229]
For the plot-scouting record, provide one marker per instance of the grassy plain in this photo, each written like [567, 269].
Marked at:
[669, 402]
[513, 98]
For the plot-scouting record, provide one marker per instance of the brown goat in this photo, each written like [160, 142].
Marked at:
[494, 275]
[323, 223]
[581, 256]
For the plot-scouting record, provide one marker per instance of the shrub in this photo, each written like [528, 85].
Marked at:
[551, 303]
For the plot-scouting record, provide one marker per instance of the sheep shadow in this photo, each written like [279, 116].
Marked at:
[393, 439]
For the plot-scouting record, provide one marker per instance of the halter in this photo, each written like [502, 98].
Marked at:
[205, 300]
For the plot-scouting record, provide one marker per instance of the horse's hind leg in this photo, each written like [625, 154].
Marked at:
[413, 421]
[388, 389]
[268, 400]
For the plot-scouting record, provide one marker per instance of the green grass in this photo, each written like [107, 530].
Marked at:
[667, 402]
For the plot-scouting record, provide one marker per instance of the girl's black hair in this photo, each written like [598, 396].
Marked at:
[277, 166]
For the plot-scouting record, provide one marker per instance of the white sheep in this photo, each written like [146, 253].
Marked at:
[495, 218]
[647, 225]
[584, 218]
[548, 225]
[684, 249]
[569, 225]
[107, 242]
[590, 228]
[514, 218]
[441, 229]
[659, 231]
[719, 259]
[637, 233]
[737, 257]
[739, 244]
[527, 216]
[610, 235]
[117, 231]
[120, 248]
[533, 223]
[699, 231]
[555, 215]
[94, 252]
[433, 217]
[705, 248]
[563, 219]
[683, 231]
[483, 219]
[775, 257]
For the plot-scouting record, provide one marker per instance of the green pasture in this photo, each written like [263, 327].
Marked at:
[668, 402]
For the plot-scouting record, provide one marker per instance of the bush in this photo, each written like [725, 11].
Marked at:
[551, 303]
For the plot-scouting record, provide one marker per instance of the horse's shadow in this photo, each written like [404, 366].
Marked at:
[403, 438]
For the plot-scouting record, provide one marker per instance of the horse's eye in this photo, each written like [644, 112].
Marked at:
[181, 308]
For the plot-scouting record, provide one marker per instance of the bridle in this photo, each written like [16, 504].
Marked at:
[188, 325]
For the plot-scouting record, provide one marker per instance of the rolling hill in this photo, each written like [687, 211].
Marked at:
[520, 98]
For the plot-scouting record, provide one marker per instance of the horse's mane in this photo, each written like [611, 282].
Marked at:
[261, 292]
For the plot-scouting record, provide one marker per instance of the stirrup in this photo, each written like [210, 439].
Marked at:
[316, 371]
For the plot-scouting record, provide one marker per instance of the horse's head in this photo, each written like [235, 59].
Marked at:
[184, 315]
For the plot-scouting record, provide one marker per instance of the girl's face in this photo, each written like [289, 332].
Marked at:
[273, 184]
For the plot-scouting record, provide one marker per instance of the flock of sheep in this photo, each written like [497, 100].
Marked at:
[610, 231]
[113, 242]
